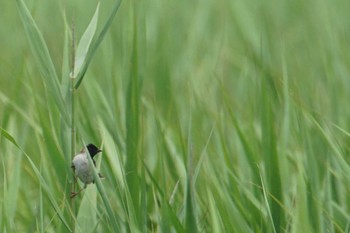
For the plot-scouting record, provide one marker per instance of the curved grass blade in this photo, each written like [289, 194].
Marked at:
[38, 174]
[42, 56]
[95, 44]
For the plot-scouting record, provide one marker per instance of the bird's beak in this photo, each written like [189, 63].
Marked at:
[99, 150]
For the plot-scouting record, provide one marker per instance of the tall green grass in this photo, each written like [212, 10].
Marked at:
[213, 116]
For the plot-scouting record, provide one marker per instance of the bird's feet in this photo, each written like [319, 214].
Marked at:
[73, 194]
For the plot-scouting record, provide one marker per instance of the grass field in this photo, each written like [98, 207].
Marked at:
[213, 116]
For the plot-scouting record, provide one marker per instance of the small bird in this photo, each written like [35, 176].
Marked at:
[81, 167]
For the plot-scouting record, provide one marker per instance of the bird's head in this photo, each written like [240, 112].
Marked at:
[93, 150]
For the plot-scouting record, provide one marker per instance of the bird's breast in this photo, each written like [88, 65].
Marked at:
[82, 168]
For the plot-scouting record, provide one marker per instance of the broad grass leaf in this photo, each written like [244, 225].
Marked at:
[95, 44]
[85, 41]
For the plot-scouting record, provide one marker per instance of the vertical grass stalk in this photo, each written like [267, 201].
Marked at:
[72, 89]
[133, 121]
[270, 153]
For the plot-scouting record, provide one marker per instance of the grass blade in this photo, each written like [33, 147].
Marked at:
[214, 214]
[269, 211]
[42, 56]
[86, 219]
[167, 209]
[85, 41]
[11, 186]
[95, 44]
[133, 100]
[191, 222]
[65, 69]
[41, 178]
[269, 145]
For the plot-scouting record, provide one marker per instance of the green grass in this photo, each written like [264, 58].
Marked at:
[213, 116]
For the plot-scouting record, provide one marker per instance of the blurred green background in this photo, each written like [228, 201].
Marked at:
[214, 116]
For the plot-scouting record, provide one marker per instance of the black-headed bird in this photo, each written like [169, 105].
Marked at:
[81, 167]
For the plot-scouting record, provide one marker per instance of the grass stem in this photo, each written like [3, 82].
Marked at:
[72, 88]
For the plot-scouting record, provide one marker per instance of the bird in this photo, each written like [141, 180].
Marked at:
[81, 167]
